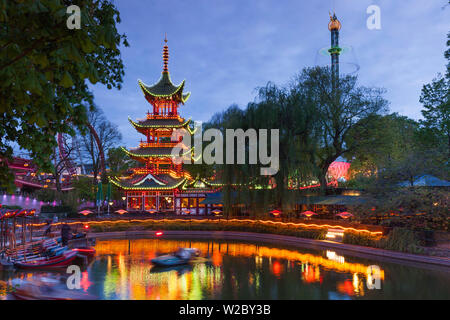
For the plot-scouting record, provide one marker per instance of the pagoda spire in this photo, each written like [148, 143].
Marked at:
[166, 56]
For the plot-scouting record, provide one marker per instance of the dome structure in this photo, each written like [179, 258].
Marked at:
[334, 23]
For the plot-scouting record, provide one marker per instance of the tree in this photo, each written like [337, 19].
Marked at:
[60, 162]
[339, 109]
[44, 68]
[388, 139]
[108, 135]
[435, 98]
[118, 162]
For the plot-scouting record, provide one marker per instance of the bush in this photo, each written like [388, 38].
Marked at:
[318, 234]
[401, 239]
[55, 209]
[360, 238]
[12, 207]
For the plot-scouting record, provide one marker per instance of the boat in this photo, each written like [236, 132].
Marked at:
[87, 252]
[47, 289]
[180, 269]
[181, 256]
[63, 260]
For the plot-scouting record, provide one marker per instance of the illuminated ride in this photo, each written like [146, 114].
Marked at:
[343, 57]
[26, 172]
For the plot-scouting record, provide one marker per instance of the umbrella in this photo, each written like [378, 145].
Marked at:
[216, 211]
[345, 215]
[121, 211]
[275, 212]
[308, 213]
[85, 212]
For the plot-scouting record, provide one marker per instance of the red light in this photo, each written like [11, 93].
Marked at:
[159, 233]
[86, 226]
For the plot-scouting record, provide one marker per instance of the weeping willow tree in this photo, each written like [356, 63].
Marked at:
[285, 109]
[313, 118]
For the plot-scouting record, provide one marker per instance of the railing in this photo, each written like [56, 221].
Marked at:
[152, 116]
[159, 144]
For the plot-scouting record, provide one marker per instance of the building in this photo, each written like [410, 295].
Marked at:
[160, 185]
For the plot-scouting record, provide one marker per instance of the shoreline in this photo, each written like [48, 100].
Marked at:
[355, 250]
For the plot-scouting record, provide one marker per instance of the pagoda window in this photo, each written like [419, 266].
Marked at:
[166, 203]
[185, 203]
[150, 202]
[135, 203]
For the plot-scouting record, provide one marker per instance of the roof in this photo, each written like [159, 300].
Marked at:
[159, 123]
[160, 152]
[164, 88]
[148, 182]
[332, 200]
[200, 185]
[426, 181]
[213, 198]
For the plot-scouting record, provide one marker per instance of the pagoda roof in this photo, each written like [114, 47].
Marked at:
[200, 185]
[164, 88]
[148, 182]
[159, 123]
[158, 152]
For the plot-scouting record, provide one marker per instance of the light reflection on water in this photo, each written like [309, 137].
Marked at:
[237, 270]
[243, 270]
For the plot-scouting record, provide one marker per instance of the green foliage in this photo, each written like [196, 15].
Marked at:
[118, 161]
[313, 122]
[318, 234]
[44, 67]
[404, 240]
[435, 98]
[361, 238]
[46, 195]
[84, 188]
[55, 209]
[12, 207]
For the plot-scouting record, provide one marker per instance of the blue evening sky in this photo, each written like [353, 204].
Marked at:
[227, 48]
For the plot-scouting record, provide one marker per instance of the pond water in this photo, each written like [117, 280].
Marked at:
[249, 270]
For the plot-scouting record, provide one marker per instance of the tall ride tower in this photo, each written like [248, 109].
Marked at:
[334, 26]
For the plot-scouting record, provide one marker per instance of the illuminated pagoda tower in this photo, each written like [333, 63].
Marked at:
[334, 26]
[160, 185]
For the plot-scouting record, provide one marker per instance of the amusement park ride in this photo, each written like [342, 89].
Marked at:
[26, 172]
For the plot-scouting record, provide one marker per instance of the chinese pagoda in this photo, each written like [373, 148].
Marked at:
[161, 185]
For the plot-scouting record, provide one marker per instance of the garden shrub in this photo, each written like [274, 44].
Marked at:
[401, 239]
[318, 233]
[361, 238]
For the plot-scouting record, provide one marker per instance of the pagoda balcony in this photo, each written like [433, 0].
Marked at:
[152, 116]
[159, 144]
[172, 172]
